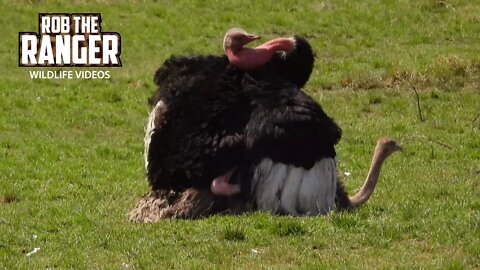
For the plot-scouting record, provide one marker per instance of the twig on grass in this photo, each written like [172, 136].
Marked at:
[418, 100]
[434, 141]
[476, 117]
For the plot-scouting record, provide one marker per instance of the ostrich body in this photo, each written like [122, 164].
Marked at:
[195, 203]
[196, 130]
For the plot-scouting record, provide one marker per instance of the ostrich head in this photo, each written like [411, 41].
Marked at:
[386, 146]
[236, 38]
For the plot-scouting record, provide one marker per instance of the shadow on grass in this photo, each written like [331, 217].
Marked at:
[288, 228]
[229, 234]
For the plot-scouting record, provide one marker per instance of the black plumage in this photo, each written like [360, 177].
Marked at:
[201, 135]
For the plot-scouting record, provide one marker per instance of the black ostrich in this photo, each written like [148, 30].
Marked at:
[240, 125]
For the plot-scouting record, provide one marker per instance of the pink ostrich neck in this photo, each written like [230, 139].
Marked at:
[250, 59]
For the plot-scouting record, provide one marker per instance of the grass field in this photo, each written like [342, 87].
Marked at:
[71, 150]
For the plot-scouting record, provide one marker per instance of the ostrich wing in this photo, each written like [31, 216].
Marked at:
[288, 126]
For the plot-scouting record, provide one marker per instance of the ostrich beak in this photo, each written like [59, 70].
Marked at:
[398, 148]
[251, 38]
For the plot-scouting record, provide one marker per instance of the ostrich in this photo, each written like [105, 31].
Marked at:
[195, 134]
[241, 126]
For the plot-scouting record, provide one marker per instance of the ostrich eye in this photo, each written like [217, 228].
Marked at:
[393, 145]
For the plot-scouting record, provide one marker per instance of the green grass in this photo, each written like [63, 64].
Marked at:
[71, 150]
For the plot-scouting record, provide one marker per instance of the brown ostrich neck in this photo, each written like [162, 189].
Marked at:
[372, 178]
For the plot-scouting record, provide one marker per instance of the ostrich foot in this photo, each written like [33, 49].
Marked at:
[221, 186]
